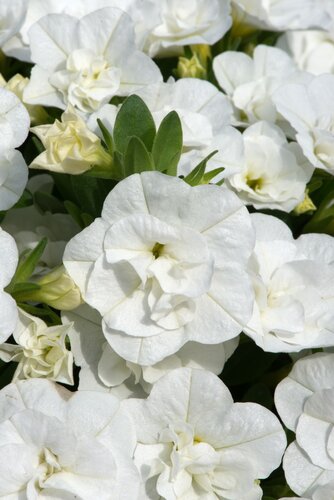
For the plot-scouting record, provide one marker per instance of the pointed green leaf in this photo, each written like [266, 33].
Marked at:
[137, 159]
[167, 146]
[134, 119]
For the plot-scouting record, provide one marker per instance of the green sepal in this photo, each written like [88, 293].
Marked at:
[27, 263]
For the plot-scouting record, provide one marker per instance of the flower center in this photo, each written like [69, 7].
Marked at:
[49, 465]
[157, 249]
[255, 184]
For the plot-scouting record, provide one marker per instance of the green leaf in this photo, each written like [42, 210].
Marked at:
[167, 145]
[82, 219]
[88, 193]
[106, 136]
[137, 159]
[134, 119]
[27, 264]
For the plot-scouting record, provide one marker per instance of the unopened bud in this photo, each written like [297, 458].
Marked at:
[58, 290]
[306, 205]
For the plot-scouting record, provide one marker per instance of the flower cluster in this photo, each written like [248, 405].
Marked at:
[167, 249]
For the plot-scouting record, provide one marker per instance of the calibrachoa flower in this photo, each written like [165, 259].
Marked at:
[309, 108]
[183, 23]
[54, 443]
[8, 264]
[312, 50]
[194, 442]
[274, 173]
[304, 401]
[294, 288]
[40, 351]
[103, 369]
[251, 81]
[164, 265]
[97, 60]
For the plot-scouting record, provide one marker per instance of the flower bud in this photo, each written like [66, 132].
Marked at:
[58, 290]
[196, 66]
[40, 351]
[70, 147]
[304, 206]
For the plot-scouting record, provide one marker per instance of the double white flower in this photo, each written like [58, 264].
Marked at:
[165, 264]
[57, 444]
[305, 402]
[251, 81]
[309, 108]
[86, 62]
[294, 288]
[40, 351]
[194, 442]
[181, 23]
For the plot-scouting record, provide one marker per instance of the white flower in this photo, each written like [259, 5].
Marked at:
[14, 121]
[275, 172]
[40, 351]
[250, 82]
[294, 288]
[141, 12]
[282, 15]
[185, 23]
[103, 369]
[313, 51]
[309, 109]
[97, 60]
[54, 443]
[165, 265]
[70, 147]
[12, 14]
[8, 263]
[304, 401]
[194, 442]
